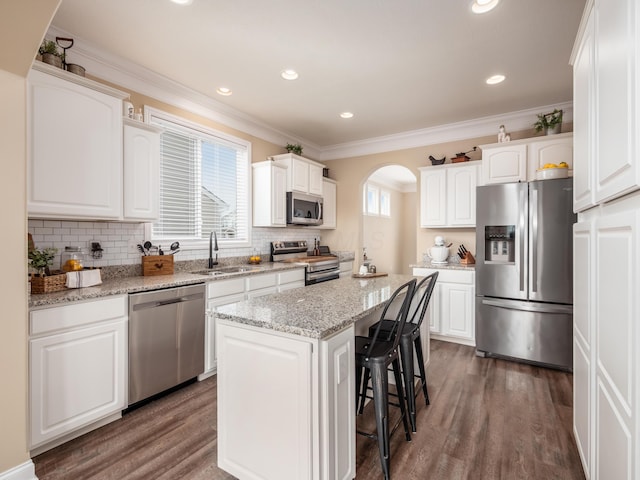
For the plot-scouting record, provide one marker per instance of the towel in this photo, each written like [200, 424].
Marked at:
[83, 278]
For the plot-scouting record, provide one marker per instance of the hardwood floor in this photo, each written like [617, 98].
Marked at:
[488, 419]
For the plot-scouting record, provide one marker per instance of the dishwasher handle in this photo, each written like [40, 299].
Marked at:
[171, 301]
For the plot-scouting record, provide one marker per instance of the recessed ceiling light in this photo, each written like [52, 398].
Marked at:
[224, 91]
[483, 6]
[289, 74]
[346, 115]
[495, 79]
[183, 2]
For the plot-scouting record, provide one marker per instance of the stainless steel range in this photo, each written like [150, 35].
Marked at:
[318, 268]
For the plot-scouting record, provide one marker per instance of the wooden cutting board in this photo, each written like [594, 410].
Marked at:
[369, 275]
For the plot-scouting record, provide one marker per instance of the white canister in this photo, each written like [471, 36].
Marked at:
[363, 270]
[128, 109]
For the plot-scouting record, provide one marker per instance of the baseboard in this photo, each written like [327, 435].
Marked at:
[26, 471]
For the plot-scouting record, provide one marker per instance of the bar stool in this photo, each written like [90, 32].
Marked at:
[374, 355]
[410, 342]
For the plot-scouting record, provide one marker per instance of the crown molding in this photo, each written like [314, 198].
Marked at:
[129, 75]
[480, 127]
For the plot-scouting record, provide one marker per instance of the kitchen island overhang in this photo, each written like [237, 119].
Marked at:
[286, 379]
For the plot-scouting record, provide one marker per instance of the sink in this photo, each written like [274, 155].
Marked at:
[232, 270]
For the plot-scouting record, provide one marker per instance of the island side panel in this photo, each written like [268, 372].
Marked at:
[265, 404]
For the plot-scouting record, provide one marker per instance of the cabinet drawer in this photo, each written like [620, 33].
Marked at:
[255, 282]
[291, 276]
[77, 314]
[220, 288]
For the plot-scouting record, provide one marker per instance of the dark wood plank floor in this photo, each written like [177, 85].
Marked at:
[488, 419]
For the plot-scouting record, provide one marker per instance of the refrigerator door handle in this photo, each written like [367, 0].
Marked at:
[521, 253]
[533, 205]
[529, 307]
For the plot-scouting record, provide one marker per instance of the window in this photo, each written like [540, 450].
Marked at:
[376, 201]
[204, 183]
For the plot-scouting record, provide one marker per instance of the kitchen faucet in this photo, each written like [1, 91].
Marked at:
[213, 248]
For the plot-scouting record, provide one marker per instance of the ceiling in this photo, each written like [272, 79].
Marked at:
[398, 65]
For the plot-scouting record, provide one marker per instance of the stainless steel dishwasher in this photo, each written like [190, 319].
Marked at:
[166, 339]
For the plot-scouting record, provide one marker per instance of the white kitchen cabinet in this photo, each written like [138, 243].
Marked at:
[329, 197]
[74, 146]
[141, 171]
[448, 195]
[290, 279]
[77, 369]
[452, 311]
[518, 160]
[309, 382]
[227, 291]
[584, 117]
[269, 194]
[303, 175]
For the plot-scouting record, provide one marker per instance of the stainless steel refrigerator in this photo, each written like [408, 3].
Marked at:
[524, 282]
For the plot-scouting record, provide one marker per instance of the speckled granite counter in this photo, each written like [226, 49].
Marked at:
[316, 311]
[444, 266]
[124, 285]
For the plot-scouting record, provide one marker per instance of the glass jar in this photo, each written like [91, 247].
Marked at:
[71, 259]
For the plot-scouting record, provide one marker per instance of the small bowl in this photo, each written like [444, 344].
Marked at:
[551, 173]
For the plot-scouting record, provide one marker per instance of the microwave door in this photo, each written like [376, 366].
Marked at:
[502, 241]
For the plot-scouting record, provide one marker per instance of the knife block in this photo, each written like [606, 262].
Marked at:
[468, 259]
[157, 265]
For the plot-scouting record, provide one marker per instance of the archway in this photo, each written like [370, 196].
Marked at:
[389, 218]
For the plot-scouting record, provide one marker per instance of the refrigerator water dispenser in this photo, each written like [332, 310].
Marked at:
[499, 243]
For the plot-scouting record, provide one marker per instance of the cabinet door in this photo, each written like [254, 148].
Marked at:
[554, 149]
[74, 167]
[433, 197]
[210, 360]
[141, 173]
[616, 164]
[617, 241]
[461, 196]
[299, 175]
[76, 378]
[457, 310]
[433, 312]
[263, 379]
[278, 196]
[315, 179]
[505, 164]
[329, 206]
[583, 120]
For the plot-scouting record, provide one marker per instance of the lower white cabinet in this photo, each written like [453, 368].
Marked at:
[225, 292]
[77, 368]
[266, 376]
[451, 310]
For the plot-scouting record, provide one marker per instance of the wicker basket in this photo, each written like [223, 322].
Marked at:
[49, 283]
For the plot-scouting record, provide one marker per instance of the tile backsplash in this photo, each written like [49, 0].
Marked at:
[119, 240]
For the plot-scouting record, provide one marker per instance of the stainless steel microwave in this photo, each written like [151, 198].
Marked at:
[303, 209]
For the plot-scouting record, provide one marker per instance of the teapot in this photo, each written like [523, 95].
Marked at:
[439, 253]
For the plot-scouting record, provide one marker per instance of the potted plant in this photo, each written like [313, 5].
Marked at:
[294, 148]
[549, 122]
[50, 53]
[40, 260]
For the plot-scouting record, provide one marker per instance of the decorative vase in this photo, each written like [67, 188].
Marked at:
[553, 130]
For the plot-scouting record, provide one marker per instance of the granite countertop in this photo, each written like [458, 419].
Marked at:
[125, 285]
[316, 311]
[444, 266]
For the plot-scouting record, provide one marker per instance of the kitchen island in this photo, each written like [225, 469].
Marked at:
[286, 379]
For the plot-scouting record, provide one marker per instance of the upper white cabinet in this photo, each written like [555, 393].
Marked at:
[448, 195]
[303, 175]
[269, 194]
[518, 160]
[329, 196]
[74, 167]
[141, 171]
